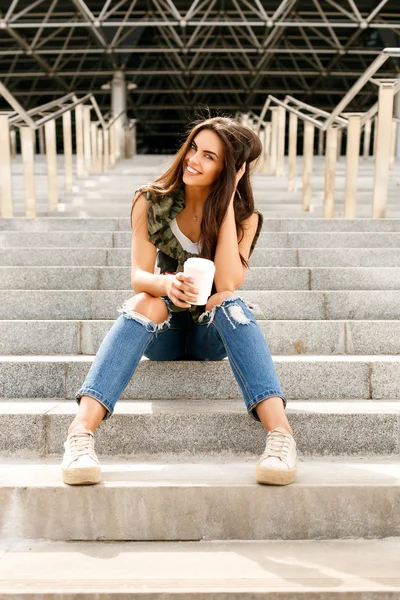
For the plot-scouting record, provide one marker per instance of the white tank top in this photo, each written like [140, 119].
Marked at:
[185, 242]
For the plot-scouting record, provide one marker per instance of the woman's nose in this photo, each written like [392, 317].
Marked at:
[194, 158]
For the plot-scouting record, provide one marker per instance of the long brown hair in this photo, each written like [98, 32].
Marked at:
[241, 145]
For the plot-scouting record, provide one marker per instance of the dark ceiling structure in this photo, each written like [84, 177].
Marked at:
[194, 58]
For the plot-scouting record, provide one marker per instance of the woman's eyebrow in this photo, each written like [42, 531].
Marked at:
[209, 151]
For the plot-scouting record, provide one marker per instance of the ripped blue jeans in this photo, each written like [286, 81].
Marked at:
[228, 330]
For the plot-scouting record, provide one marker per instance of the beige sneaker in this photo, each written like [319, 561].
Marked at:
[278, 463]
[80, 465]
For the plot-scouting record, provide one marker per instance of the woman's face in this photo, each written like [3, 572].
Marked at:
[204, 160]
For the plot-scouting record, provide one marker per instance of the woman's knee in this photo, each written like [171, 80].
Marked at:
[218, 298]
[149, 306]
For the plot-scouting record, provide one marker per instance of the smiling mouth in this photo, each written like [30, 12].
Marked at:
[192, 171]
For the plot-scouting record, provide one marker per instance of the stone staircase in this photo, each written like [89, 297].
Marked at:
[178, 514]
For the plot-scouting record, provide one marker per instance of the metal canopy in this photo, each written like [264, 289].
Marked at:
[186, 57]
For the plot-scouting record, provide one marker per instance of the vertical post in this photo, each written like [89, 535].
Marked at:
[106, 165]
[80, 165]
[383, 142]
[86, 138]
[320, 142]
[308, 151]
[112, 146]
[280, 158]
[292, 150]
[100, 150]
[13, 143]
[126, 143]
[93, 134]
[51, 159]
[5, 169]
[274, 139]
[41, 141]
[261, 160]
[28, 139]
[393, 144]
[134, 149]
[352, 154]
[119, 138]
[397, 115]
[330, 169]
[367, 138]
[67, 139]
[375, 133]
[339, 142]
[267, 148]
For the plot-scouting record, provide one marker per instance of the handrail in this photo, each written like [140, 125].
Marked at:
[336, 115]
[16, 105]
[112, 121]
[42, 108]
[353, 91]
[20, 115]
[322, 113]
[97, 109]
[310, 119]
[374, 108]
[60, 112]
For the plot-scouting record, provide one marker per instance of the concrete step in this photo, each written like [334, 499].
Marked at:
[282, 336]
[101, 202]
[105, 203]
[270, 305]
[257, 278]
[190, 428]
[273, 239]
[270, 214]
[58, 222]
[78, 208]
[302, 377]
[261, 257]
[204, 570]
[202, 500]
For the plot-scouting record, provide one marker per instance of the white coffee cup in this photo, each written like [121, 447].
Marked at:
[202, 270]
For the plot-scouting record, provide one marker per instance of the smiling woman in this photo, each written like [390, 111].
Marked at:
[202, 206]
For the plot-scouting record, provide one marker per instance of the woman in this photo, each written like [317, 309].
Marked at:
[201, 206]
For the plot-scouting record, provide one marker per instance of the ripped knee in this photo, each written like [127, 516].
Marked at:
[231, 307]
[218, 298]
[148, 310]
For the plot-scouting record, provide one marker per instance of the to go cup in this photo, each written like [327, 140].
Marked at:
[202, 270]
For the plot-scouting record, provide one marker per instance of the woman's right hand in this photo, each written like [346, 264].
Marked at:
[180, 289]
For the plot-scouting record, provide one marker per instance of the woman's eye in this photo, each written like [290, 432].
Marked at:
[192, 145]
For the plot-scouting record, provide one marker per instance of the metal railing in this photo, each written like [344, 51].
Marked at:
[99, 144]
[273, 134]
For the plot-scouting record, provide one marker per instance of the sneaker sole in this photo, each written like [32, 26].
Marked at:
[82, 476]
[275, 476]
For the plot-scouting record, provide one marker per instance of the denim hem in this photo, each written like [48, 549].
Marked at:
[251, 408]
[97, 396]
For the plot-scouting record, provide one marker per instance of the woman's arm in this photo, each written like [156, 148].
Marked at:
[143, 253]
[229, 270]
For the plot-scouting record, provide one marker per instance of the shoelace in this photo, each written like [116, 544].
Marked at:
[277, 445]
[81, 443]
